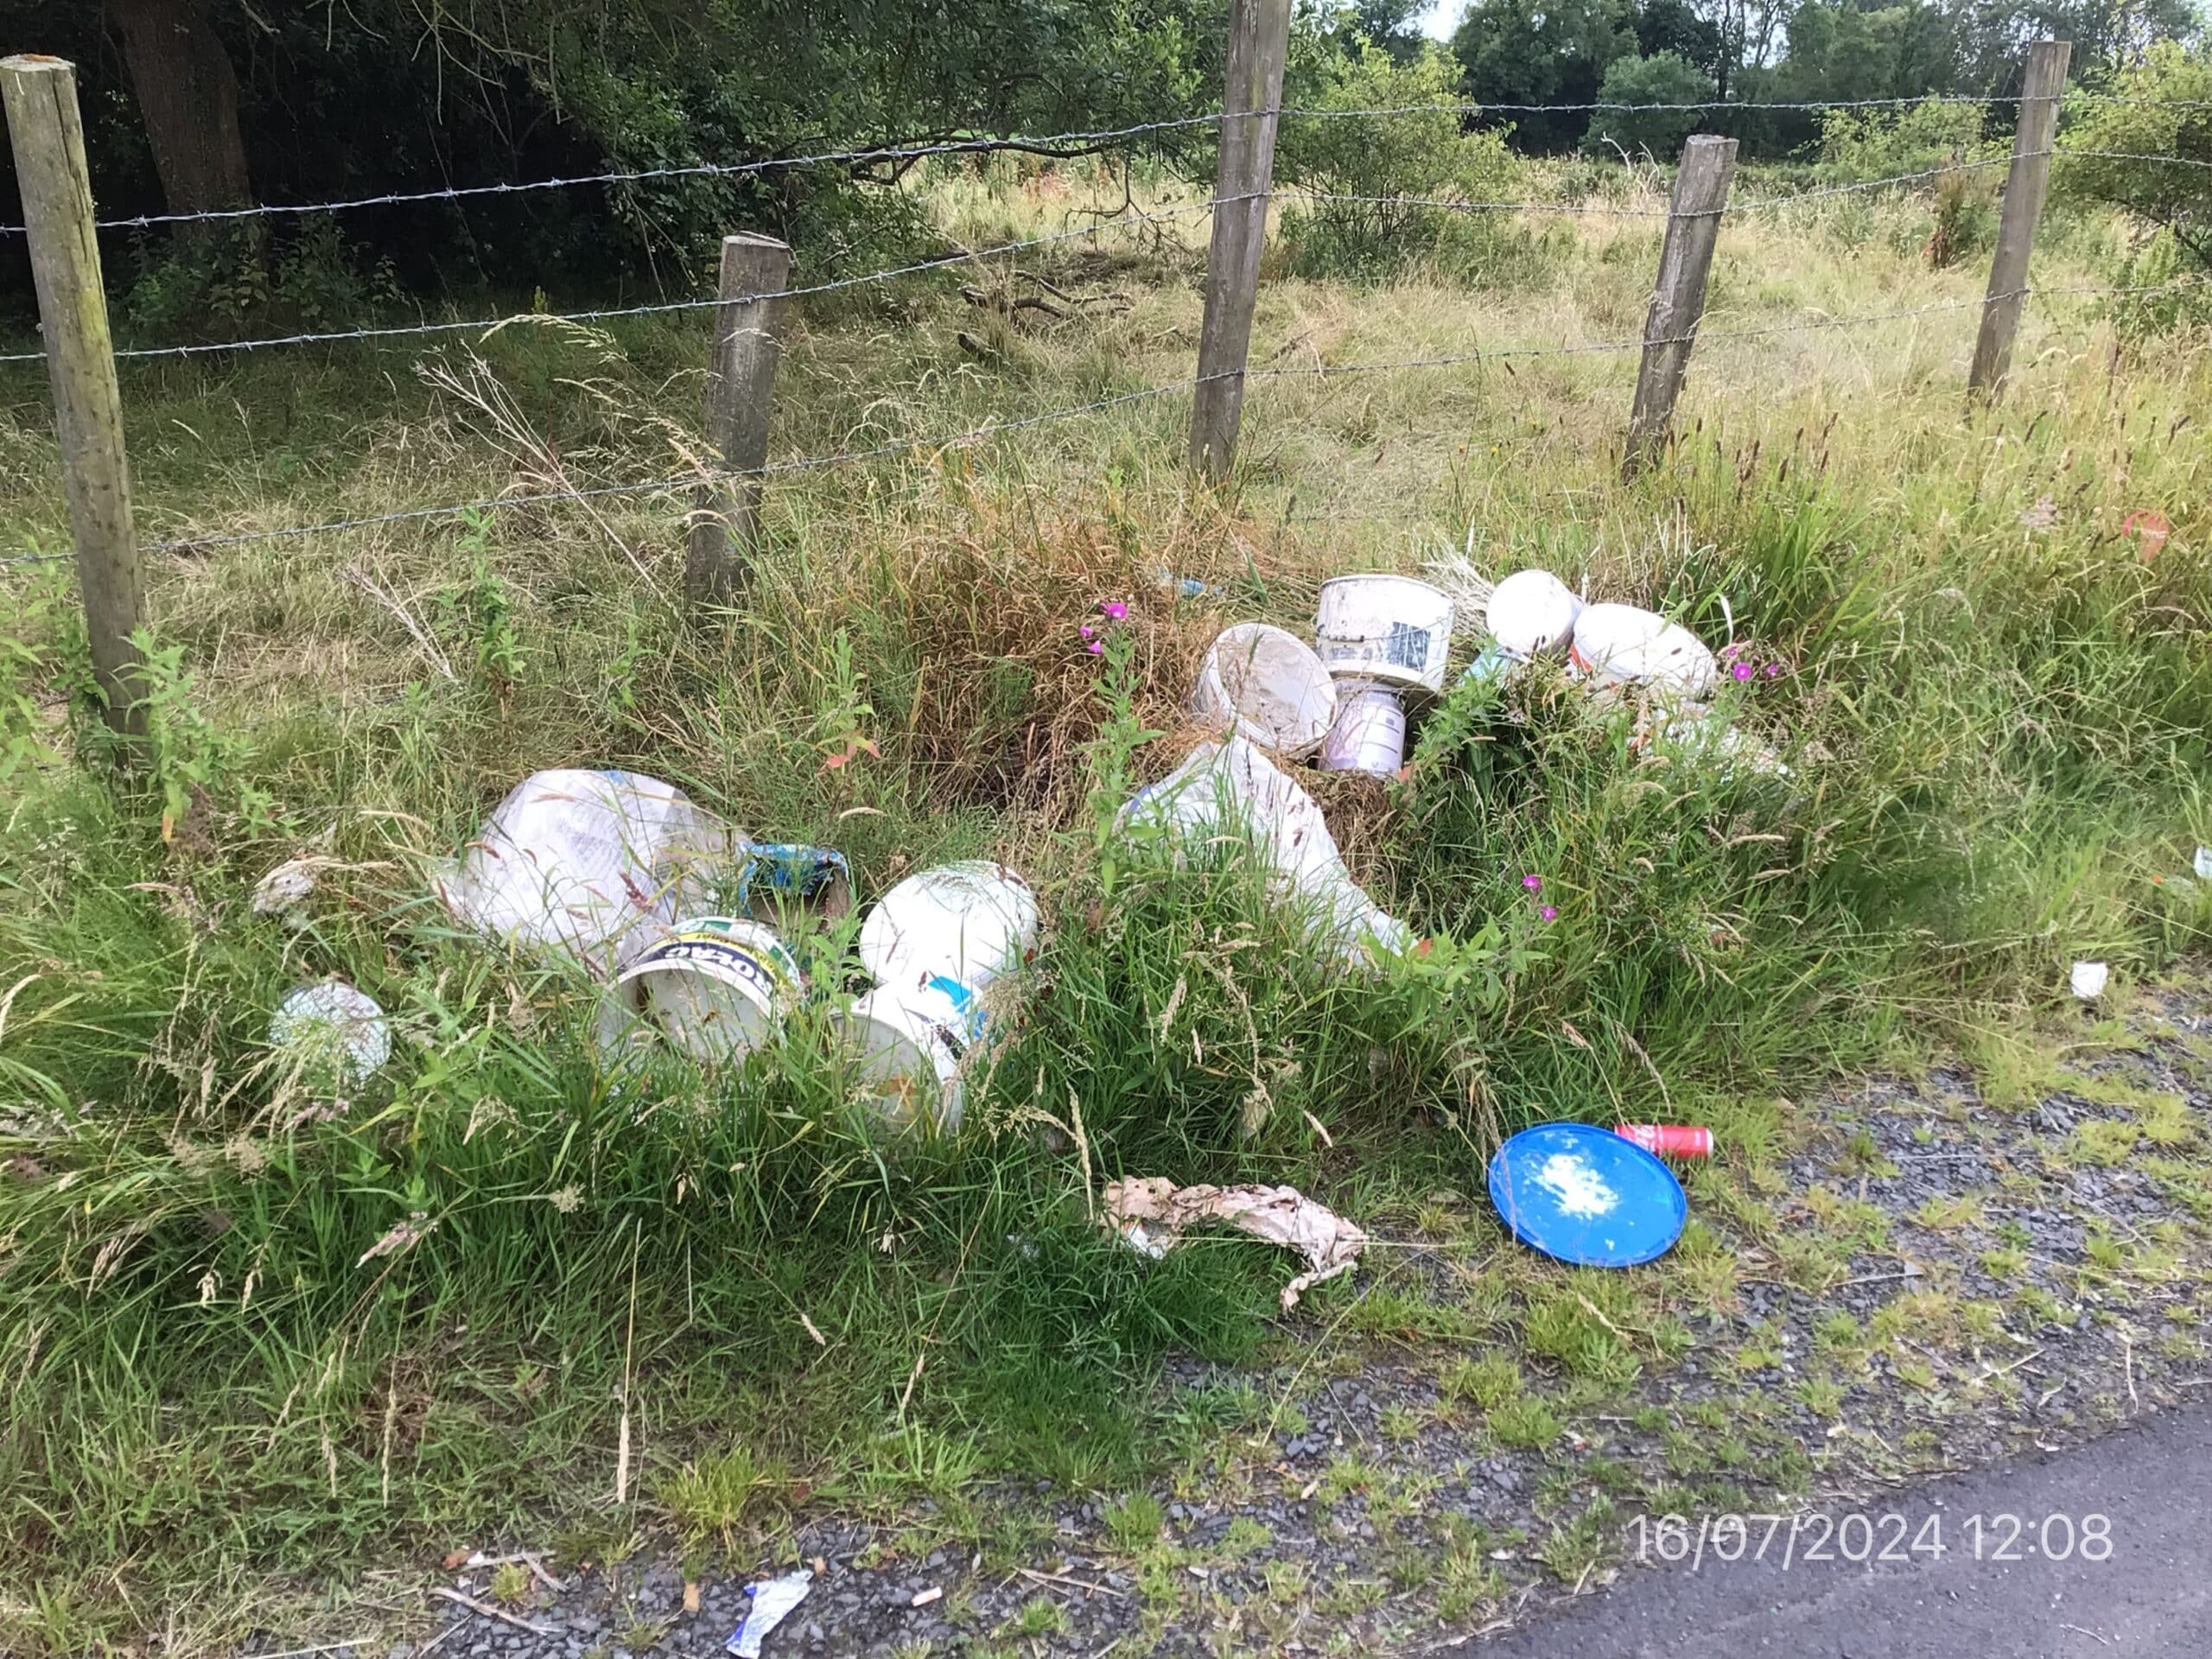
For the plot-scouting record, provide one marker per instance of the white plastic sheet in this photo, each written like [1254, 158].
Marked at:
[1226, 787]
[596, 864]
[1152, 1213]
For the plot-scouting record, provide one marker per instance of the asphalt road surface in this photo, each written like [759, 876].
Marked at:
[1998, 1590]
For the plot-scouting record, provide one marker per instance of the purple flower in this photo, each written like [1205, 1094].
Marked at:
[1533, 883]
[1773, 668]
[1114, 608]
[1741, 671]
[1096, 648]
[1549, 912]
[1086, 629]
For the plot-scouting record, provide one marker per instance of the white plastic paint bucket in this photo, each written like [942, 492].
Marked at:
[718, 986]
[337, 1035]
[1623, 645]
[1267, 685]
[1370, 733]
[1532, 611]
[968, 923]
[1388, 628]
[910, 1044]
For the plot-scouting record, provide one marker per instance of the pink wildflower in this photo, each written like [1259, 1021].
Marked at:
[1114, 608]
[1549, 912]
[1533, 883]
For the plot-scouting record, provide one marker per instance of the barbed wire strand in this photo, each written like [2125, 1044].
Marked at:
[665, 306]
[703, 477]
[1042, 143]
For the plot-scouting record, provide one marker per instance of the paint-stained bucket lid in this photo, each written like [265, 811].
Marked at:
[1584, 1195]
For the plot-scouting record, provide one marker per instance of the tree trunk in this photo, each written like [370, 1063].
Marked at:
[188, 98]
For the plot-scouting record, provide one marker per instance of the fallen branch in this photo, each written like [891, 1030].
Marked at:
[484, 1609]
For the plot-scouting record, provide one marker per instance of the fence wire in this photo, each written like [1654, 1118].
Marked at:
[702, 478]
[664, 307]
[1074, 141]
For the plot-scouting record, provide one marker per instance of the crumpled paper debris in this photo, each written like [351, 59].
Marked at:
[2087, 979]
[1152, 1213]
[772, 1599]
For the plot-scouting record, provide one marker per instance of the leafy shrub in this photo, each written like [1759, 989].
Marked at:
[2170, 114]
[1662, 77]
[1372, 175]
[1871, 143]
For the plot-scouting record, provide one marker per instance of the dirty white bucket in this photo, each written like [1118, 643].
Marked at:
[1370, 733]
[718, 986]
[1532, 611]
[1623, 645]
[336, 1034]
[968, 923]
[1388, 628]
[909, 1045]
[1264, 683]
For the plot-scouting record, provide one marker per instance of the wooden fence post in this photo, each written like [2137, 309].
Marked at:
[1259, 41]
[741, 387]
[49, 142]
[1678, 298]
[2025, 185]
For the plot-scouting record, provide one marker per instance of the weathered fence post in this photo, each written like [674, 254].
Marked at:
[741, 386]
[1678, 298]
[2025, 186]
[49, 142]
[1259, 41]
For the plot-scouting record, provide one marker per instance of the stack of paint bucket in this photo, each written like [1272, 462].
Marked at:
[1384, 640]
[937, 945]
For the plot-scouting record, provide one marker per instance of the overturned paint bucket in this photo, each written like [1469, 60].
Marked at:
[910, 1044]
[1265, 684]
[1532, 611]
[1392, 629]
[1624, 644]
[336, 1035]
[718, 986]
[967, 923]
[1370, 733]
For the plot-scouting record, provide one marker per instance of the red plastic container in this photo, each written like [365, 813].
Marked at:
[1669, 1140]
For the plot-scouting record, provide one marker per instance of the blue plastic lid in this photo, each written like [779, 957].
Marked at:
[1584, 1195]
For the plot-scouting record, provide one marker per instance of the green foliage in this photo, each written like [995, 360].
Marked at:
[194, 765]
[1873, 144]
[2174, 199]
[1383, 167]
[1532, 51]
[1663, 78]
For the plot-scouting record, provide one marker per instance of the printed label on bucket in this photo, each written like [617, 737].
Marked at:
[1406, 646]
[716, 955]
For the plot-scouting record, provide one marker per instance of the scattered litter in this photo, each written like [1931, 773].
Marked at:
[1261, 682]
[785, 873]
[941, 942]
[339, 1035]
[1668, 1139]
[1185, 586]
[1369, 731]
[1227, 786]
[286, 887]
[1389, 628]
[772, 1601]
[1693, 731]
[1532, 611]
[2088, 979]
[2203, 865]
[2149, 530]
[1152, 1214]
[922, 1598]
[1618, 645]
[1586, 1196]
[718, 987]
[597, 864]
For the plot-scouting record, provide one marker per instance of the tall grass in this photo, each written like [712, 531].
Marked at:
[244, 1325]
